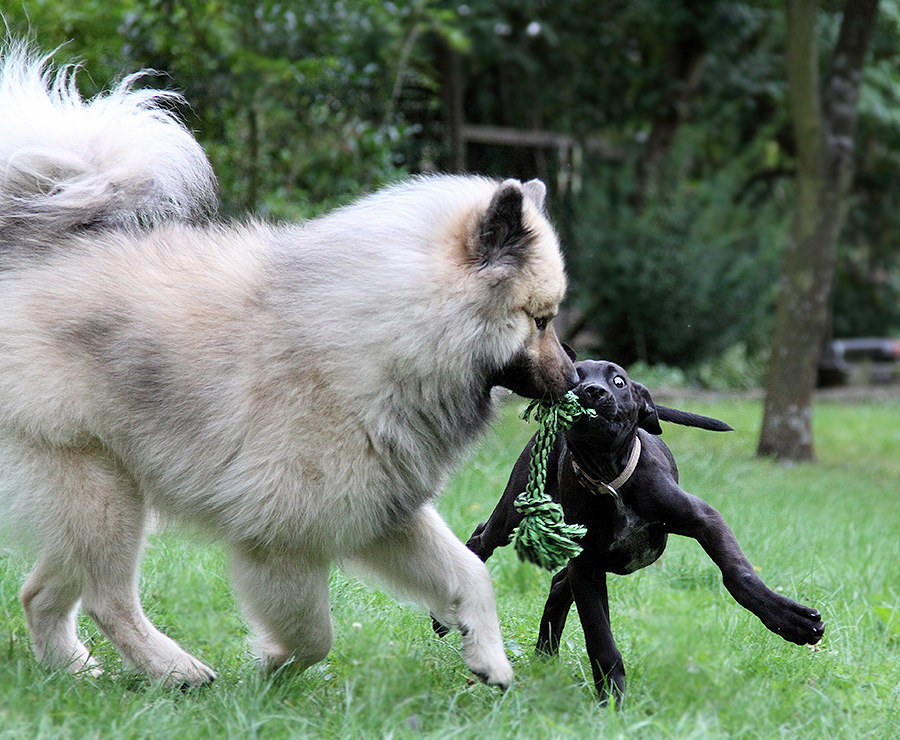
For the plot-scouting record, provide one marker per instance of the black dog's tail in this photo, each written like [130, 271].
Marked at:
[687, 419]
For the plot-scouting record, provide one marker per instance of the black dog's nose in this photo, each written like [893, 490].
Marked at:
[593, 393]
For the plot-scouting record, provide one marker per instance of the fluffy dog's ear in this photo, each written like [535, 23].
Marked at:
[536, 192]
[648, 417]
[502, 234]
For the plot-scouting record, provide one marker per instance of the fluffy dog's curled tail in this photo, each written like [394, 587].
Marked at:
[68, 164]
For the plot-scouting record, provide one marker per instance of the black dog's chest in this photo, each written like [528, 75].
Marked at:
[618, 540]
[635, 542]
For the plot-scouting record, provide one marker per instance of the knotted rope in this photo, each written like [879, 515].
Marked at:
[543, 537]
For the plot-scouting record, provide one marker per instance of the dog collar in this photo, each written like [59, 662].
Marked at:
[620, 480]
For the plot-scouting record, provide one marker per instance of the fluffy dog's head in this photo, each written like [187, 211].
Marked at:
[622, 405]
[512, 254]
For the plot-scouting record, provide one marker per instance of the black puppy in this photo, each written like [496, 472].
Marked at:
[614, 476]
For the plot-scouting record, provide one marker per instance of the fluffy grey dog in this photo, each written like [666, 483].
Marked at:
[300, 391]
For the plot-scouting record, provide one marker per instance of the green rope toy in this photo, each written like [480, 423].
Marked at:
[543, 537]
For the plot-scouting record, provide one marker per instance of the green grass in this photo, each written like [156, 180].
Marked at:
[698, 665]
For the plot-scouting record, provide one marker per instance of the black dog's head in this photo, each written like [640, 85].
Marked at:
[622, 405]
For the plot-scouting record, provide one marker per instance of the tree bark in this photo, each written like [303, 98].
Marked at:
[823, 124]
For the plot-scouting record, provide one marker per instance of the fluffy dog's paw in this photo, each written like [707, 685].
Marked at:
[188, 674]
[491, 666]
[501, 678]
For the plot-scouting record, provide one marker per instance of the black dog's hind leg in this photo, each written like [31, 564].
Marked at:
[592, 601]
[556, 610]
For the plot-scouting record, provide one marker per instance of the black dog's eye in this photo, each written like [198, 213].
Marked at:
[619, 381]
[541, 322]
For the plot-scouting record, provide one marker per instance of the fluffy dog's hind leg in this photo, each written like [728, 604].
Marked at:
[50, 598]
[91, 524]
[115, 607]
[286, 602]
[425, 560]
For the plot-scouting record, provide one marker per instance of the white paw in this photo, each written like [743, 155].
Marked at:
[86, 667]
[77, 661]
[178, 671]
[491, 666]
[193, 674]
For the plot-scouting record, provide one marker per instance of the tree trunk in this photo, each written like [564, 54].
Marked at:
[454, 115]
[823, 130]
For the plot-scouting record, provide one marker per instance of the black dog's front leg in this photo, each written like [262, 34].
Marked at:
[691, 516]
[497, 530]
[556, 610]
[592, 601]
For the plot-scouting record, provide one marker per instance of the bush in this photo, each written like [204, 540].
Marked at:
[734, 369]
[692, 274]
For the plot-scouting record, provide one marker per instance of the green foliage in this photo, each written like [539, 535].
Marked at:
[867, 293]
[689, 276]
[293, 101]
[734, 369]
[690, 272]
[658, 376]
[300, 106]
[305, 105]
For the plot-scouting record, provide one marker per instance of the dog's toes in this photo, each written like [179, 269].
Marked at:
[816, 631]
[502, 682]
[191, 675]
[812, 628]
[496, 671]
[801, 625]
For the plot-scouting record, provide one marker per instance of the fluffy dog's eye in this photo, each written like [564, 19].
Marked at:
[541, 322]
[619, 381]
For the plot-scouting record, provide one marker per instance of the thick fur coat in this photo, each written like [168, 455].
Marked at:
[300, 391]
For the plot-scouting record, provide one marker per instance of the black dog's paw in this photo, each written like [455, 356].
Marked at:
[795, 622]
[439, 629]
[476, 545]
[611, 686]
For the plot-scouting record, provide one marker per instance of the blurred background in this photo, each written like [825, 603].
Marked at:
[663, 129]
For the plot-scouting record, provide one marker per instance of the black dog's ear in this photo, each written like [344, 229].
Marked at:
[503, 236]
[569, 351]
[648, 417]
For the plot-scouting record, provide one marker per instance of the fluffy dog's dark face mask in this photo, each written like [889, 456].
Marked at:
[622, 405]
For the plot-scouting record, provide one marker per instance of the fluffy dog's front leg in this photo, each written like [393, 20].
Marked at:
[426, 561]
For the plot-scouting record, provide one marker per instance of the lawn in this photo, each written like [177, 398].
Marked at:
[698, 665]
